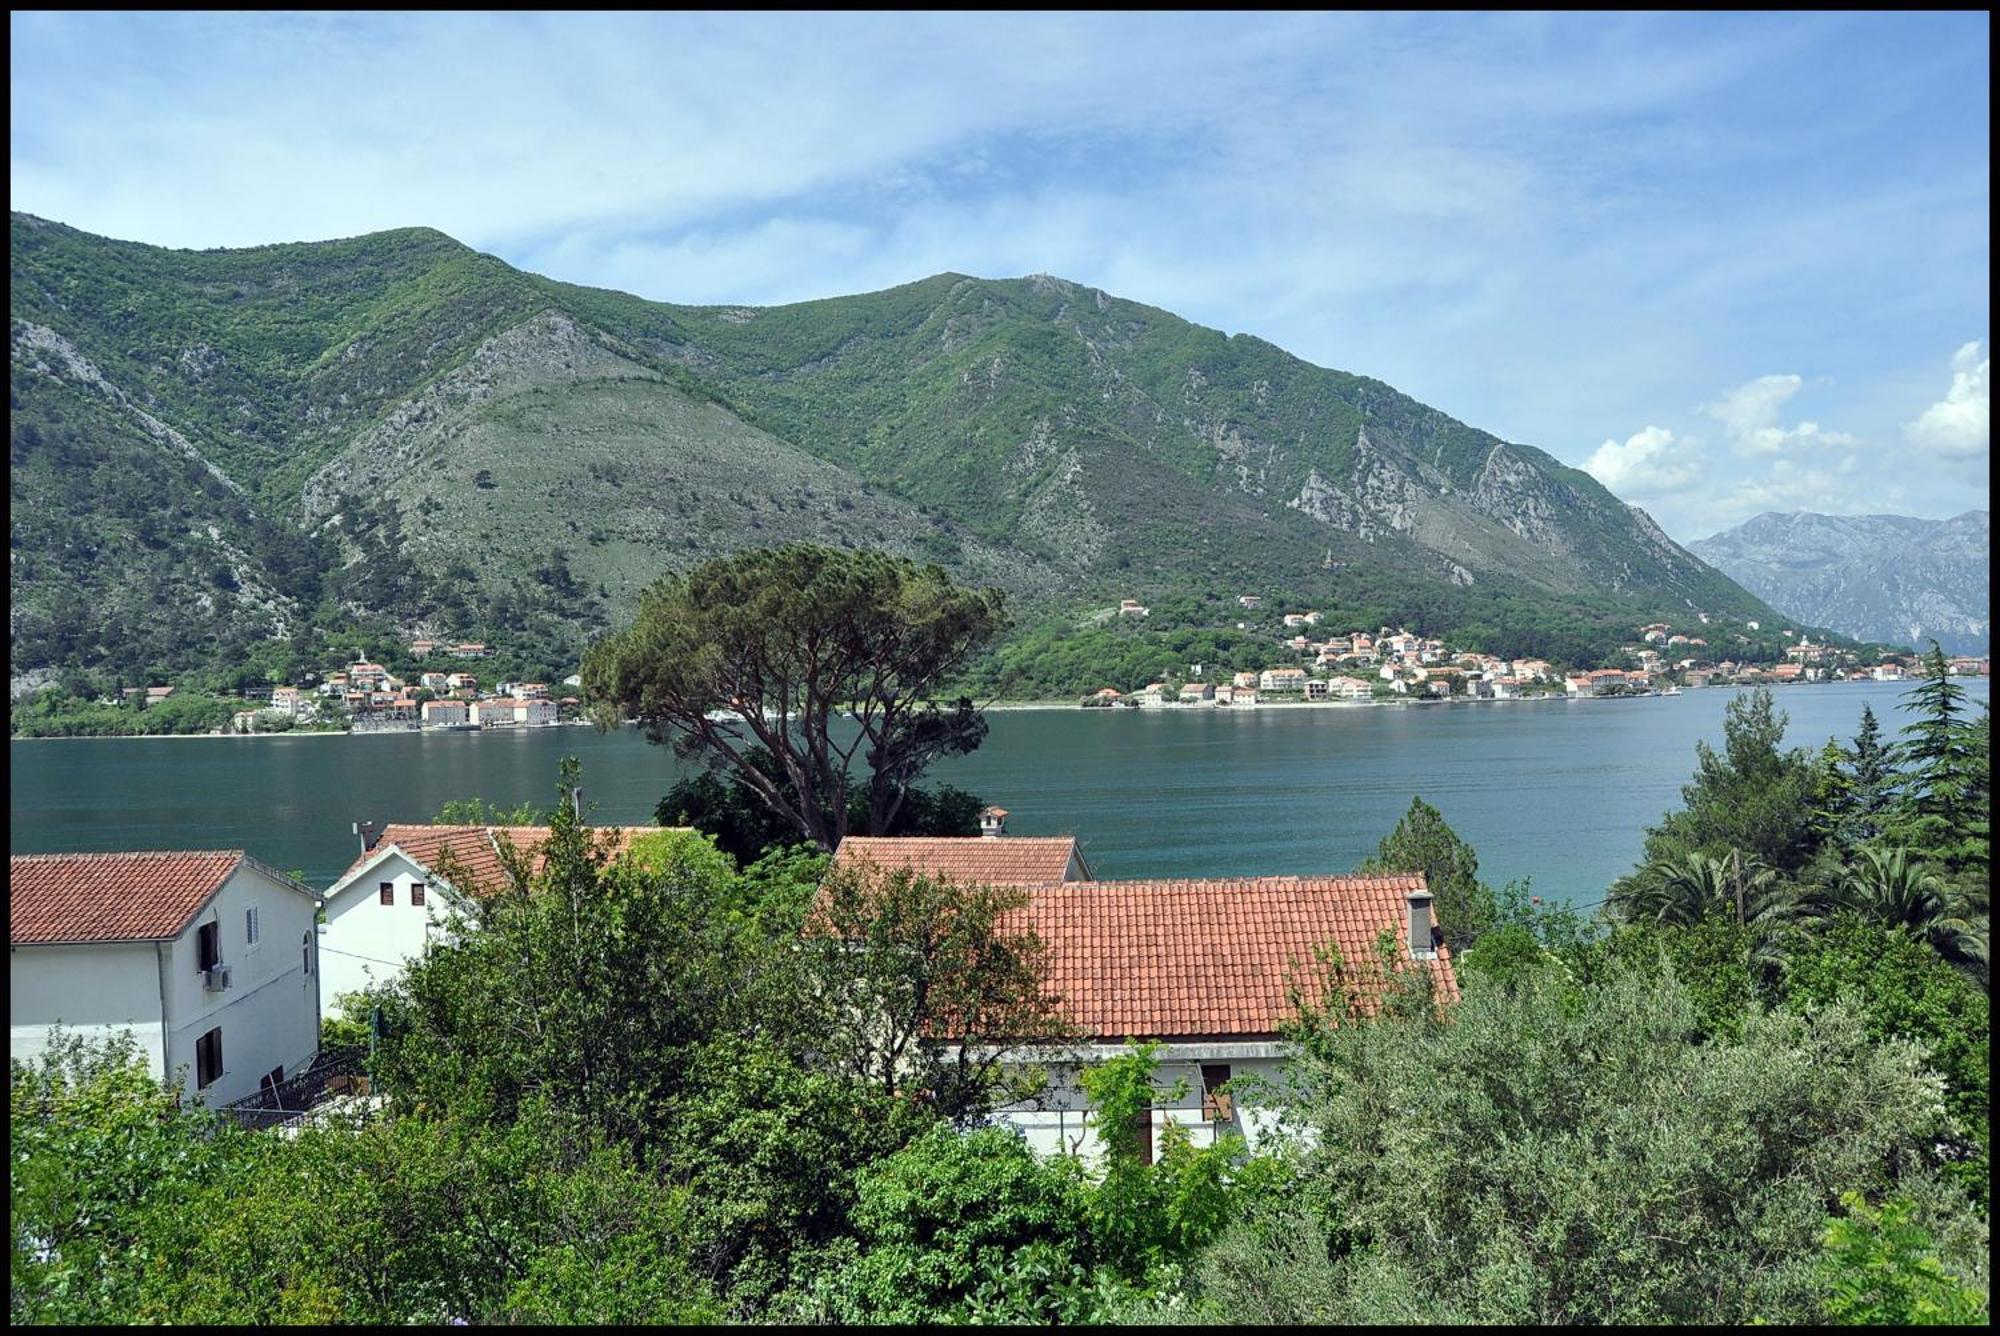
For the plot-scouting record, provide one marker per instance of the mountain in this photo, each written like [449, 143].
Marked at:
[212, 448]
[1875, 577]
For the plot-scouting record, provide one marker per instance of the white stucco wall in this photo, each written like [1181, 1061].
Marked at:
[365, 942]
[269, 1014]
[1060, 1121]
[94, 991]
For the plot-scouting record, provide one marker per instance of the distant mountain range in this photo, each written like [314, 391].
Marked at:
[1875, 577]
[212, 448]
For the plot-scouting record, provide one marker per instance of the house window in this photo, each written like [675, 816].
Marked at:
[388, 892]
[250, 925]
[306, 953]
[208, 1058]
[208, 946]
[417, 893]
[1216, 1105]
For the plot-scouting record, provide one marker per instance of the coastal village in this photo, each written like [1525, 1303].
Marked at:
[1388, 664]
[1352, 667]
[365, 696]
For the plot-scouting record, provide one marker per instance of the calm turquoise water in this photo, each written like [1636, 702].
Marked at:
[1558, 791]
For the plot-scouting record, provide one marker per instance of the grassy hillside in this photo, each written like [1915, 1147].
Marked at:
[396, 433]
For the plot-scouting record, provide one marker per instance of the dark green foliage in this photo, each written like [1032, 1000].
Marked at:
[1422, 842]
[539, 1004]
[53, 713]
[1946, 805]
[771, 1149]
[1904, 991]
[1881, 1271]
[1071, 447]
[937, 1222]
[1576, 1152]
[919, 988]
[1751, 797]
[771, 649]
[745, 827]
[1872, 779]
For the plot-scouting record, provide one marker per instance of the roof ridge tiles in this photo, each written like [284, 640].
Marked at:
[127, 853]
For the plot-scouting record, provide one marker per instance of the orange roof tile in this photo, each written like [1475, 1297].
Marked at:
[111, 897]
[476, 847]
[1001, 860]
[1181, 959]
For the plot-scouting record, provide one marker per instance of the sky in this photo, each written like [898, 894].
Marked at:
[1727, 263]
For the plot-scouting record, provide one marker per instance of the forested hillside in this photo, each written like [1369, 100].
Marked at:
[394, 434]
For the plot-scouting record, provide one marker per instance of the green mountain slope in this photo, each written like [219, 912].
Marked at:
[395, 431]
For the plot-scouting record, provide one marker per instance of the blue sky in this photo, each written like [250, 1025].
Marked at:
[1729, 263]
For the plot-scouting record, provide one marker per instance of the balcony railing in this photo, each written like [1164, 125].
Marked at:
[328, 1077]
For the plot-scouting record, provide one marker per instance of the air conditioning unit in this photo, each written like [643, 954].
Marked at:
[215, 978]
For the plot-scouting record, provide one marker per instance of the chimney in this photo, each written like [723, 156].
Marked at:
[993, 822]
[1421, 945]
[366, 831]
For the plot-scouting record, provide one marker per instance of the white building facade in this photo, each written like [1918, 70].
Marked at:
[210, 960]
[393, 901]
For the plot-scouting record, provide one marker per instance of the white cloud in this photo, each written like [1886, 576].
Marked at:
[1959, 424]
[1752, 408]
[1650, 463]
[1749, 415]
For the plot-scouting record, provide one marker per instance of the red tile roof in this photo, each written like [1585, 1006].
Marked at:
[1000, 860]
[476, 847]
[1185, 959]
[112, 897]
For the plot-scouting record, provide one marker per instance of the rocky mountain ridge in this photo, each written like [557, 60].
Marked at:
[400, 430]
[1891, 578]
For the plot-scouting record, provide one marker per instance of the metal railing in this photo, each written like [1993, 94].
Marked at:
[328, 1076]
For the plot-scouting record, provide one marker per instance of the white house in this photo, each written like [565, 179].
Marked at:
[497, 712]
[528, 710]
[392, 901]
[208, 958]
[1282, 679]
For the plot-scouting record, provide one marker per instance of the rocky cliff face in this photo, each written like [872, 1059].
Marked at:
[1875, 577]
[397, 428]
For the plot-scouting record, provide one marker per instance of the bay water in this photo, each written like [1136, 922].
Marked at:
[1556, 791]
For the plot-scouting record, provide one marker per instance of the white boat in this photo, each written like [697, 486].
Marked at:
[1671, 691]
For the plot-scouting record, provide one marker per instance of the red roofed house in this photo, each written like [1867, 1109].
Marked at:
[1202, 967]
[208, 958]
[392, 900]
[988, 860]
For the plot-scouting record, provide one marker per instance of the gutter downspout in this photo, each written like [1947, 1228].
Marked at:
[166, 1038]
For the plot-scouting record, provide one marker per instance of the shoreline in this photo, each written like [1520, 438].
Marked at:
[995, 707]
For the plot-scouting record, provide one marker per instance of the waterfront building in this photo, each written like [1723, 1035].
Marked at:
[1282, 679]
[208, 958]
